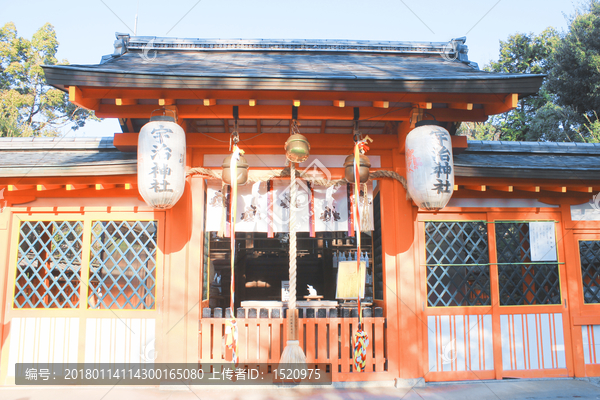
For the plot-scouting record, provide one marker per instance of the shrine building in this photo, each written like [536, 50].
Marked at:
[502, 280]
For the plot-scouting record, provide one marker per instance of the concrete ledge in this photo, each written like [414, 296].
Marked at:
[409, 383]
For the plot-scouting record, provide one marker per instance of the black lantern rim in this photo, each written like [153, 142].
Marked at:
[167, 118]
[426, 122]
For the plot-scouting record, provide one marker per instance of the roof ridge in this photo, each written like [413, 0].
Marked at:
[454, 49]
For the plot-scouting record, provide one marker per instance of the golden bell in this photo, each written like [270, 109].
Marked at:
[242, 170]
[297, 148]
[363, 168]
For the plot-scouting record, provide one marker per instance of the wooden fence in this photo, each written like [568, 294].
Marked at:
[324, 340]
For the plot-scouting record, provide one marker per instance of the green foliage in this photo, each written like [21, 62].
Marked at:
[575, 75]
[566, 107]
[593, 128]
[522, 54]
[28, 106]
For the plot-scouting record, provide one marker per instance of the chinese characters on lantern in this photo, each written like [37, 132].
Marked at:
[442, 168]
[160, 154]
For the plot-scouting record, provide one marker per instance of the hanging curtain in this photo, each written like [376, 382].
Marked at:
[330, 207]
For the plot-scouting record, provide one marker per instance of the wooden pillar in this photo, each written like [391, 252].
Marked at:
[180, 296]
[5, 292]
[574, 296]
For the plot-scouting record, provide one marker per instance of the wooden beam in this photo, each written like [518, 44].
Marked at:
[507, 189]
[425, 105]
[580, 189]
[285, 112]
[339, 103]
[104, 186]
[258, 126]
[461, 106]
[555, 189]
[476, 188]
[226, 124]
[508, 103]
[14, 188]
[323, 126]
[324, 142]
[40, 188]
[322, 95]
[459, 144]
[381, 104]
[531, 189]
[76, 187]
[125, 102]
[76, 97]
[166, 102]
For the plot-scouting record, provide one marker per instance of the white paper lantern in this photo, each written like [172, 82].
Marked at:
[161, 162]
[429, 165]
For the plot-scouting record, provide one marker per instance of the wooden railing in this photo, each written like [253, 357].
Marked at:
[324, 340]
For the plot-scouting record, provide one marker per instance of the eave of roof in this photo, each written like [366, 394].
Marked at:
[37, 157]
[532, 160]
[291, 65]
[34, 157]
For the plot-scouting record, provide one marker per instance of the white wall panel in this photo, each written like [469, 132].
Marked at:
[42, 340]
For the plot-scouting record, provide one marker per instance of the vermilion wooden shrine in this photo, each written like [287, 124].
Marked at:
[503, 282]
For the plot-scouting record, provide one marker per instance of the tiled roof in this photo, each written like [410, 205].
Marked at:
[63, 157]
[543, 160]
[291, 65]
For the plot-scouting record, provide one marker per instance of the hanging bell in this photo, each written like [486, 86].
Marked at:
[242, 170]
[363, 168]
[297, 148]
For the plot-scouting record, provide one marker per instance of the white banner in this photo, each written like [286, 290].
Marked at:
[329, 205]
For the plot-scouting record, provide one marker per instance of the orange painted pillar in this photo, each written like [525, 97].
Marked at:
[179, 294]
[573, 296]
[401, 277]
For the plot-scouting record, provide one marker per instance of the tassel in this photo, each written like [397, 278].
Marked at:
[360, 344]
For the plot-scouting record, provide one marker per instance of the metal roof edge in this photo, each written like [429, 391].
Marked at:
[56, 143]
[94, 70]
[567, 148]
[124, 168]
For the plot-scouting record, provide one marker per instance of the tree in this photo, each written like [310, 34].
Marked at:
[566, 107]
[575, 75]
[28, 106]
[526, 54]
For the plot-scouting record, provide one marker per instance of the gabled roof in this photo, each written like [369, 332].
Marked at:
[151, 62]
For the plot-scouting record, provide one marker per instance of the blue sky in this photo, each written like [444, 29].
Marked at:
[86, 29]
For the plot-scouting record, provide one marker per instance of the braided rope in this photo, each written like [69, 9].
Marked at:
[284, 173]
[293, 194]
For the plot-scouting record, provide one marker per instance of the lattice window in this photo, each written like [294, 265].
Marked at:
[123, 265]
[589, 253]
[521, 281]
[458, 272]
[49, 264]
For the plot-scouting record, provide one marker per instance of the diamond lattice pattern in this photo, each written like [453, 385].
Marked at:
[589, 252]
[525, 282]
[123, 265]
[458, 273]
[49, 264]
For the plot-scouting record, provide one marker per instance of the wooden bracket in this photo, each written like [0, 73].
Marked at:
[76, 97]
[510, 102]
